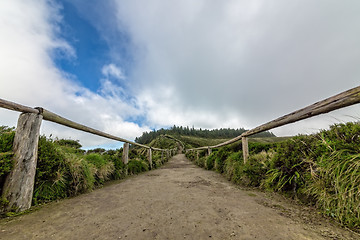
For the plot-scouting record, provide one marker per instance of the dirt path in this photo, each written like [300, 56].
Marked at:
[178, 201]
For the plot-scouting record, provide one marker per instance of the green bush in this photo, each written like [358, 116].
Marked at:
[221, 156]
[342, 136]
[103, 168]
[255, 147]
[49, 179]
[50, 182]
[6, 138]
[137, 166]
[321, 169]
[201, 161]
[288, 169]
[254, 171]
[64, 170]
[191, 155]
[80, 174]
[210, 161]
[97, 160]
[6, 164]
[335, 187]
[115, 156]
[231, 164]
[69, 143]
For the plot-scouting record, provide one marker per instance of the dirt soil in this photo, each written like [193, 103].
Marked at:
[177, 201]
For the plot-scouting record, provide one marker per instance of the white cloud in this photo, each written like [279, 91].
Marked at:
[28, 76]
[111, 70]
[208, 64]
[245, 62]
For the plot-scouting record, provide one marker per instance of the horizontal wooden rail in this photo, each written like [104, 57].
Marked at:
[17, 107]
[175, 139]
[52, 117]
[341, 100]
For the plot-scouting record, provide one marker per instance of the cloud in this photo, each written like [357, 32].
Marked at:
[244, 62]
[111, 70]
[29, 44]
[192, 63]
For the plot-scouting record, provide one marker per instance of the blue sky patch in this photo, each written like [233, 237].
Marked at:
[91, 49]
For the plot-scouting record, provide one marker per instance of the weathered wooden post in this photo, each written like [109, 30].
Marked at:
[245, 148]
[125, 154]
[162, 156]
[209, 151]
[150, 157]
[19, 184]
[197, 155]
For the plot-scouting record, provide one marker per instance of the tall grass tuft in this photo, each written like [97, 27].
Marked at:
[322, 169]
[336, 187]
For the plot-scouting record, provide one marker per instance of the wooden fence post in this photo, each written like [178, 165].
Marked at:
[150, 157]
[245, 148]
[209, 151]
[125, 154]
[197, 155]
[19, 184]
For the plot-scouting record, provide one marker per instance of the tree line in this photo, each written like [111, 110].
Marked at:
[147, 137]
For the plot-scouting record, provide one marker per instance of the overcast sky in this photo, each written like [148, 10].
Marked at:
[128, 66]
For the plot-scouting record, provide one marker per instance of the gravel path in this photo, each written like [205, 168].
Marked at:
[177, 201]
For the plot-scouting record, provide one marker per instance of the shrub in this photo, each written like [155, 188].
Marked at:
[49, 181]
[191, 155]
[321, 169]
[230, 165]
[255, 148]
[6, 138]
[80, 174]
[254, 171]
[69, 143]
[201, 161]
[210, 160]
[6, 164]
[103, 168]
[96, 150]
[136, 166]
[221, 156]
[335, 187]
[115, 156]
[288, 169]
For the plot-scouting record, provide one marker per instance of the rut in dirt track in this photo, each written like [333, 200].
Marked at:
[177, 201]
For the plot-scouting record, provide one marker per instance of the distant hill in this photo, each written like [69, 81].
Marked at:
[222, 133]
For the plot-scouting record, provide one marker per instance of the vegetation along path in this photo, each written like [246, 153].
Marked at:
[177, 201]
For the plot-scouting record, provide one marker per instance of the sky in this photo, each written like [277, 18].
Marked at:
[129, 66]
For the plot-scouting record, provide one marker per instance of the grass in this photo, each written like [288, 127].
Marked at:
[322, 169]
[64, 170]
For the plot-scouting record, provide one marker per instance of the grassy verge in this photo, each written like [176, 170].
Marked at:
[321, 169]
[65, 170]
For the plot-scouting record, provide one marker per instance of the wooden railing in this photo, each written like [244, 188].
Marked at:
[18, 187]
[341, 100]
[19, 184]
